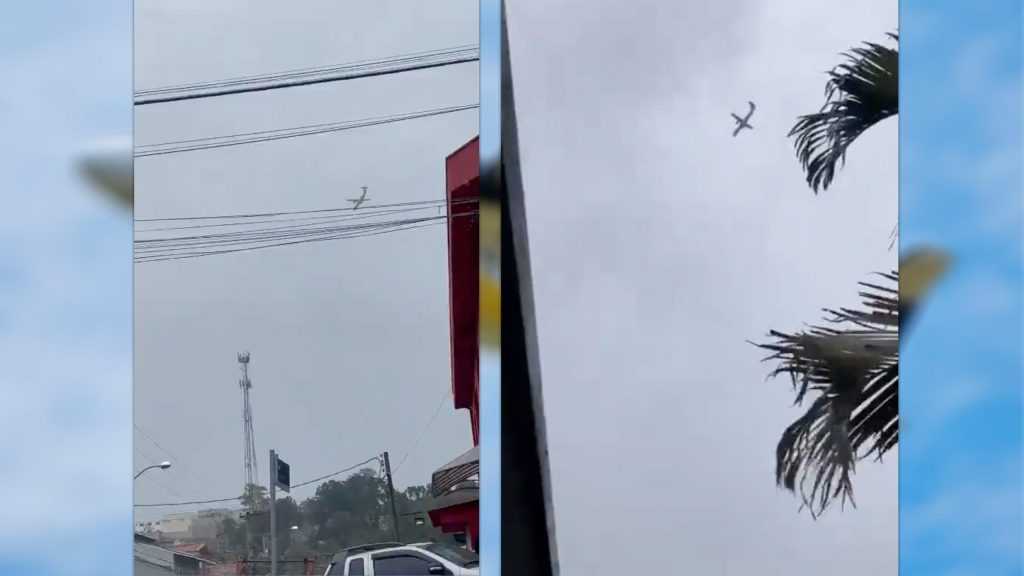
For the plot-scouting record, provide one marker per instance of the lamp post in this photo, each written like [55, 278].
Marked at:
[162, 466]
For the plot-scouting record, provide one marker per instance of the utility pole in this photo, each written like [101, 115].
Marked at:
[391, 493]
[273, 515]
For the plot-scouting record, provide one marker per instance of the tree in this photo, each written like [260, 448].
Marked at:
[348, 512]
[234, 534]
[413, 503]
[850, 365]
[340, 514]
[860, 93]
[286, 515]
[254, 498]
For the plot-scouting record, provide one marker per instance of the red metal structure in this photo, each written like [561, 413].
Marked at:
[462, 172]
[458, 508]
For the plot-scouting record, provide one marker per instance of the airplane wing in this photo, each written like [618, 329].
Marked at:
[738, 119]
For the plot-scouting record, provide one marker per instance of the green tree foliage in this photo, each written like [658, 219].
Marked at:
[339, 514]
[254, 497]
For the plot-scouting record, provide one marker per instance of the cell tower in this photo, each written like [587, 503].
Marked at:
[252, 475]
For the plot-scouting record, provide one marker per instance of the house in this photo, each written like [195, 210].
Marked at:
[199, 549]
[151, 559]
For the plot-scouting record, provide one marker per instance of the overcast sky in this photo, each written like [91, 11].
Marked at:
[660, 244]
[349, 339]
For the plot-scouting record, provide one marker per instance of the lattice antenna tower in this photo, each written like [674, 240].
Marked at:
[251, 470]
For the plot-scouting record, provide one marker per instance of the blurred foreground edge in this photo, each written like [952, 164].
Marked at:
[108, 166]
[527, 520]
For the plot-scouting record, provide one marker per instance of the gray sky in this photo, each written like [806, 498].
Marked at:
[660, 244]
[349, 339]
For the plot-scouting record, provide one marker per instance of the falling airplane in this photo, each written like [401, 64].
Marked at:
[742, 123]
[357, 202]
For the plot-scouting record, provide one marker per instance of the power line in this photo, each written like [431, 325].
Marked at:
[310, 219]
[188, 503]
[220, 500]
[279, 231]
[314, 211]
[238, 139]
[317, 236]
[419, 437]
[291, 79]
[333, 474]
[260, 238]
[186, 256]
[311, 70]
[199, 245]
[154, 477]
[179, 464]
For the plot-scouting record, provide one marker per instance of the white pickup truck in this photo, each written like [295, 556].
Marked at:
[394, 559]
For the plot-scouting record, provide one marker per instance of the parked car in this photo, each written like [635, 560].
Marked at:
[395, 559]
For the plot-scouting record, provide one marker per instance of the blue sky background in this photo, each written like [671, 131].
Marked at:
[65, 278]
[961, 190]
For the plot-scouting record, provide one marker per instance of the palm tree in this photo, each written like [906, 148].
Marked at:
[850, 363]
[860, 93]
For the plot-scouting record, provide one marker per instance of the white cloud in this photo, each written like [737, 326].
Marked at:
[946, 399]
[970, 512]
[75, 404]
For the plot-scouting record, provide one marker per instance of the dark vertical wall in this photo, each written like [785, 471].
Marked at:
[527, 533]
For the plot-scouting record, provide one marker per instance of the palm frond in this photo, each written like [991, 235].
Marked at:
[861, 92]
[852, 370]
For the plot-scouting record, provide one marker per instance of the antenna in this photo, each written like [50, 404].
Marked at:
[250, 467]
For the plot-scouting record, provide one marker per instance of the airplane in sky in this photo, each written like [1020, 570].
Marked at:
[742, 123]
[357, 202]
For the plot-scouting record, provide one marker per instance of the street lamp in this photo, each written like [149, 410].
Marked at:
[163, 466]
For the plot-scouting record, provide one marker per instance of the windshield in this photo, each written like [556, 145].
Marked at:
[459, 556]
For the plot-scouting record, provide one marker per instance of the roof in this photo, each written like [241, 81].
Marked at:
[458, 470]
[160, 556]
[198, 548]
[199, 559]
[155, 555]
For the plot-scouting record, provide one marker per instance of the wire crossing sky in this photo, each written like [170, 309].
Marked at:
[242, 236]
[210, 142]
[309, 76]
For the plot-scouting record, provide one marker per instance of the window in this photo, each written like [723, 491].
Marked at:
[402, 565]
[355, 567]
